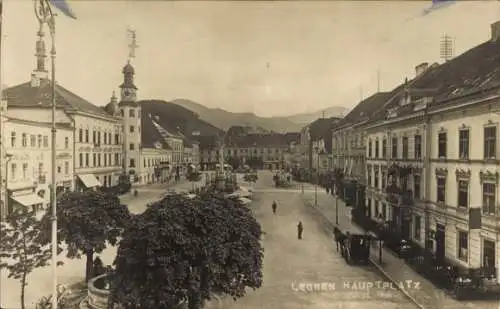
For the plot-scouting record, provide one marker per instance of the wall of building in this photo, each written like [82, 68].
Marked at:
[131, 138]
[29, 145]
[155, 158]
[86, 149]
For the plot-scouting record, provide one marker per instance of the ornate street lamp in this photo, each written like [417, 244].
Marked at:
[45, 15]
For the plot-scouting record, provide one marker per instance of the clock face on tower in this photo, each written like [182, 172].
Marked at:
[128, 94]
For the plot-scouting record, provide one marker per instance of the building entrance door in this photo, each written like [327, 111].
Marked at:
[440, 243]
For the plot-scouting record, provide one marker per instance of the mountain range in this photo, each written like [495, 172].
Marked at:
[224, 120]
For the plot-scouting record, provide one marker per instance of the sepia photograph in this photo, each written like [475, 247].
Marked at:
[171, 154]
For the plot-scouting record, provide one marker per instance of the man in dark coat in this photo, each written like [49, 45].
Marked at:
[274, 206]
[300, 230]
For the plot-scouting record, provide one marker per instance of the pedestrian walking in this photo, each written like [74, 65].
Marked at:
[300, 230]
[339, 237]
[274, 206]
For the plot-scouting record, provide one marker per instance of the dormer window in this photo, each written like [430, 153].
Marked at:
[391, 113]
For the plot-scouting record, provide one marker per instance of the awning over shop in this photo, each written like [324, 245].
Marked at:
[89, 180]
[28, 199]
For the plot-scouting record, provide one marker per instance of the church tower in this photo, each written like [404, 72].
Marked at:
[131, 113]
[40, 72]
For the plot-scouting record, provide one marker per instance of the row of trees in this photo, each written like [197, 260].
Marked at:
[179, 249]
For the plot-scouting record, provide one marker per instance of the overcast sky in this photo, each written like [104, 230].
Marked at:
[270, 58]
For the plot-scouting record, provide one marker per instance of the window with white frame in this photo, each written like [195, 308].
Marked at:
[441, 189]
[442, 142]
[13, 171]
[489, 198]
[490, 142]
[489, 260]
[25, 170]
[24, 140]
[463, 245]
[418, 146]
[405, 147]
[463, 144]
[13, 139]
[463, 194]
[394, 147]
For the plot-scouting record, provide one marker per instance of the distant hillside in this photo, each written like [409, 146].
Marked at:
[172, 116]
[334, 111]
[224, 119]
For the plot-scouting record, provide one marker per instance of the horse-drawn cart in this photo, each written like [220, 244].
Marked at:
[354, 248]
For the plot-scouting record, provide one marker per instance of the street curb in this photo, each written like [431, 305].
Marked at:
[219, 301]
[396, 283]
[378, 267]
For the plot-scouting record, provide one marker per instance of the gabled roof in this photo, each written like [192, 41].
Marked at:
[150, 133]
[472, 73]
[365, 109]
[25, 95]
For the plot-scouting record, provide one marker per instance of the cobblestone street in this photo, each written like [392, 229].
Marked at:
[288, 262]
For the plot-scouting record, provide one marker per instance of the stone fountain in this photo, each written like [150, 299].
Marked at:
[98, 293]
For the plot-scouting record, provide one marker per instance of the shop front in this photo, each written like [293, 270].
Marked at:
[24, 197]
[88, 182]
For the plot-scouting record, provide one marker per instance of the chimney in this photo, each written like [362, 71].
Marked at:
[35, 81]
[421, 68]
[157, 118]
[495, 31]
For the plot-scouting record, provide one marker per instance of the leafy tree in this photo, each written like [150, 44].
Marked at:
[184, 249]
[19, 250]
[86, 221]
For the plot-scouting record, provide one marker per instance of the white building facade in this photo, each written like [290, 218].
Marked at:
[28, 162]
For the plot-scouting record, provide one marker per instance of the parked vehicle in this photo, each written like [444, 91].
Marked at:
[355, 248]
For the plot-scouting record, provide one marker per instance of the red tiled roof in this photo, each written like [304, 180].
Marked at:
[24, 95]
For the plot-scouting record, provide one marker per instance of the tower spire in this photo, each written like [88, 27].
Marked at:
[41, 54]
[133, 45]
